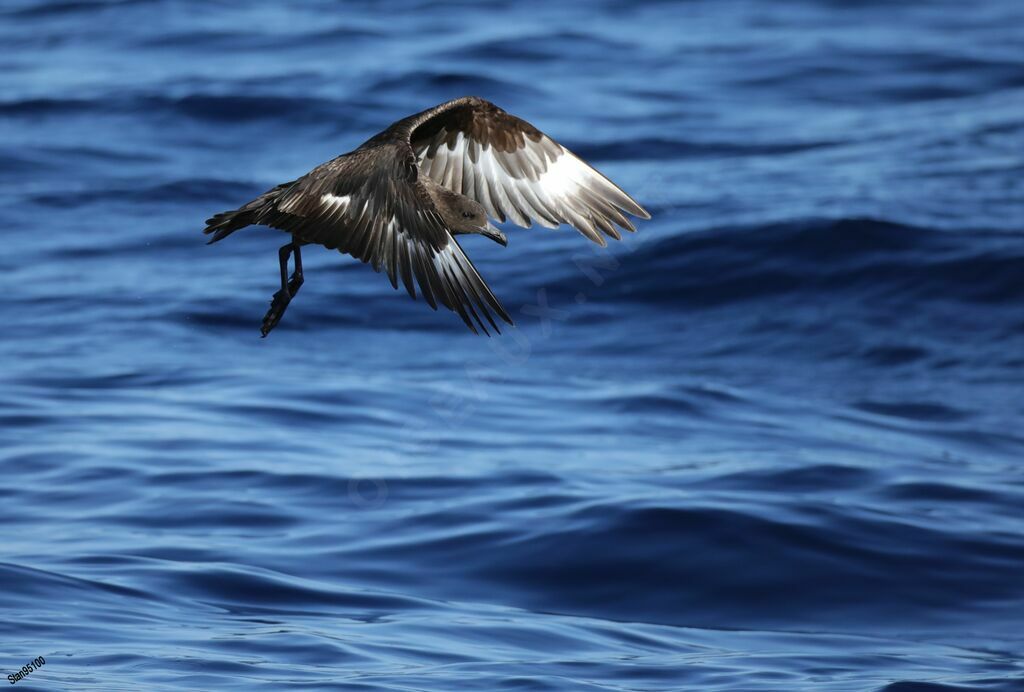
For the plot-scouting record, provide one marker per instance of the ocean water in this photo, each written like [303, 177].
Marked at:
[771, 441]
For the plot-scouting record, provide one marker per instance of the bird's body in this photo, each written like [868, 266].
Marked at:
[398, 201]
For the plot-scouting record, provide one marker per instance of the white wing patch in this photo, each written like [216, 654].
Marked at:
[335, 202]
[565, 176]
[542, 182]
[331, 203]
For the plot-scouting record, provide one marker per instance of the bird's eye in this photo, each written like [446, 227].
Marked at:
[467, 215]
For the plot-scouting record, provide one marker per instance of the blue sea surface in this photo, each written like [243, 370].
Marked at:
[772, 441]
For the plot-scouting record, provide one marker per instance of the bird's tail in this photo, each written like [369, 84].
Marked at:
[227, 222]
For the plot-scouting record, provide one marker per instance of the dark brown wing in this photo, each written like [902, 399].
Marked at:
[472, 147]
[369, 204]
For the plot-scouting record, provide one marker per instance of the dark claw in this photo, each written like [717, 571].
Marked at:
[277, 307]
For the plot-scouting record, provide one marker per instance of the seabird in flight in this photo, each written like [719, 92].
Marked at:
[398, 201]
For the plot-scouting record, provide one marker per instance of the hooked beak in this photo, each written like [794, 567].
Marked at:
[494, 234]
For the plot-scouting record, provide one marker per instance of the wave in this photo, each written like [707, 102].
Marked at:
[203, 107]
[48, 9]
[893, 76]
[655, 149]
[537, 48]
[861, 259]
[453, 83]
[709, 557]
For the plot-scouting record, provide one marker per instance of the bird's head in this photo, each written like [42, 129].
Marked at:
[468, 216]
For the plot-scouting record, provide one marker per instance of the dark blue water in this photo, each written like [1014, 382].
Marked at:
[773, 441]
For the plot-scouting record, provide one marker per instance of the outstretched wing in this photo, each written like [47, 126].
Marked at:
[381, 214]
[472, 147]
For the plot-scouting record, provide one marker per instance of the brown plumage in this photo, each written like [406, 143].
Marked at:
[398, 200]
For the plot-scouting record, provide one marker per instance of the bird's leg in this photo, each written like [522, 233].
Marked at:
[280, 301]
[295, 283]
